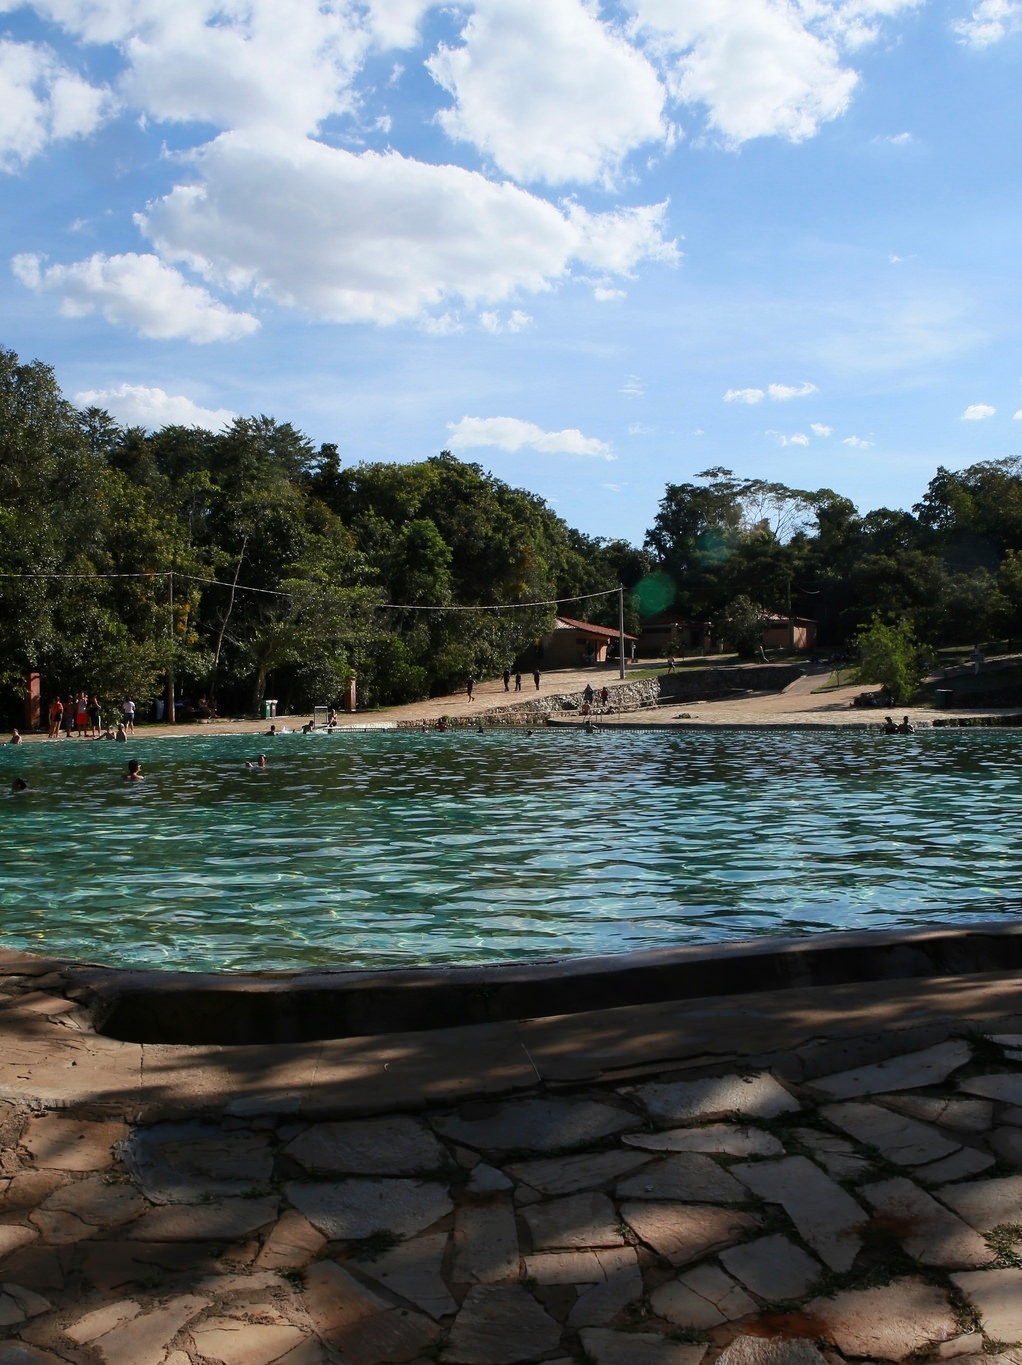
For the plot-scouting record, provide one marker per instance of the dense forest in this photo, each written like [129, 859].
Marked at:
[248, 559]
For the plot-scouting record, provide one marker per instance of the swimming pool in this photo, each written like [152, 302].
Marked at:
[402, 848]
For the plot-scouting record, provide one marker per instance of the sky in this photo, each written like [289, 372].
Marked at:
[594, 248]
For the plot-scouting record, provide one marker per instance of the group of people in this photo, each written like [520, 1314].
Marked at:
[83, 715]
[891, 726]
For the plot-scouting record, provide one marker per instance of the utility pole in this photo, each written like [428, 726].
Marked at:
[171, 716]
[621, 628]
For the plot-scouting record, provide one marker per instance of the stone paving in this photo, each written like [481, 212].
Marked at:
[785, 1215]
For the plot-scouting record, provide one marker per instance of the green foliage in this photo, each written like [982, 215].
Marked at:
[890, 655]
[741, 625]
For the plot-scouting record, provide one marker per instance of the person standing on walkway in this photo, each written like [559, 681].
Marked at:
[470, 688]
[128, 716]
[535, 677]
[56, 717]
[507, 680]
[518, 682]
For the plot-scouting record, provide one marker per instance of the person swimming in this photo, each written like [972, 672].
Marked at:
[259, 762]
[134, 773]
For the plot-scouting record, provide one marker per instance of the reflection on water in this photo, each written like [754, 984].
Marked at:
[386, 848]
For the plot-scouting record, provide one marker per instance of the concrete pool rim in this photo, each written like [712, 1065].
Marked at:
[206, 1008]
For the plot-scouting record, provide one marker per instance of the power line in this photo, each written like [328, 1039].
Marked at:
[277, 592]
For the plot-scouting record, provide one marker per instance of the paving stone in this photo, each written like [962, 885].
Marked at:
[836, 1155]
[888, 1323]
[963, 1116]
[569, 1174]
[60, 1229]
[912, 1070]
[704, 1297]
[604, 1347]
[102, 1320]
[395, 1335]
[310, 1352]
[97, 1202]
[30, 1303]
[500, 1325]
[1007, 1143]
[601, 1303]
[185, 1162]
[756, 1096]
[926, 1230]
[486, 1179]
[580, 1220]
[1003, 1086]
[20, 1353]
[413, 1271]
[485, 1242]
[827, 1218]
[387, 1146]
[958, 1166]
[538, 1125]
[68, 1144]
[901, 1139]
[224, 1221]
[112, 1266]
[335, 1299]
[681, 1233]
[770, 1351]
[997, 1297]
[46, 1268]
[568, 1267]
[726, 1139]
[292, 1242]
[27, 1189]
[146, 1337]
[688, 1176]
[1011, 1042]
[969, 1343]
[773, 1267]
[231, 1341]
[985, 1203]
[353, 1209]
[15, 1235]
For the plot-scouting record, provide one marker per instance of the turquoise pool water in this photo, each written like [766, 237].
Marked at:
[404, 848]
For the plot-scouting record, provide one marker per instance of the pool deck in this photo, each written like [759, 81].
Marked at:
[806, 1175]
[787, 1176]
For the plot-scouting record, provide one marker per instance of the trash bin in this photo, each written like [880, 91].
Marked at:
[944, 695]
[269, 710]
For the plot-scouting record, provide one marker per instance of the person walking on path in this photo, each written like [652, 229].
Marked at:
[518, 682]
[470, 688]
[507, 680]
[535, 677]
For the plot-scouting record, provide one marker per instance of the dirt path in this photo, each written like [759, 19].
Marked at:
[798, 704]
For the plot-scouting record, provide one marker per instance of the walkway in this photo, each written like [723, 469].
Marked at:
[803, 1176]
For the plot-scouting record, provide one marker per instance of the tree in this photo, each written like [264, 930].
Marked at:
[741, 624]
[890, 655]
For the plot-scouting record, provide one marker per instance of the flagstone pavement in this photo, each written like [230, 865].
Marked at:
[797, 1178]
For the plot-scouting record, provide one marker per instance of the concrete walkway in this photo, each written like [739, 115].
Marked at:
[803, 1175]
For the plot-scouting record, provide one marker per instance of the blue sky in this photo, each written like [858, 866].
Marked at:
[594, 248]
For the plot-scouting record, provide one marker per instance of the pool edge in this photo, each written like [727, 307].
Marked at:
[154, 1007]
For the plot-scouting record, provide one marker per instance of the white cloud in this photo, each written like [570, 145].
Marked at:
[990, 22]
[781, 393]
[744, 396]
[548, 92]
[510, 433]
[818, 429]
[857, 442]
[799, 439]
[133, 405]
[977, 412]
[604, 294]
[379, 237]
[633, 387]
[756, 65]
[42, 101]
[135, 291]
[515, 321]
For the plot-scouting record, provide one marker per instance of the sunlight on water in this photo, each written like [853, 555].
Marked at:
[404, 848]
